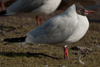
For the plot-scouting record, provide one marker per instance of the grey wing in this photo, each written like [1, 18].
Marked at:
[24, 5]
[53, 31]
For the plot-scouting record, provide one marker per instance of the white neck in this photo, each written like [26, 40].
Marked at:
[71, 11]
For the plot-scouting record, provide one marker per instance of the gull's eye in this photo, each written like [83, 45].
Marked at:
[80, 9]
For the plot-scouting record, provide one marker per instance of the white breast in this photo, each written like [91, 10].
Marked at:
[82, 27]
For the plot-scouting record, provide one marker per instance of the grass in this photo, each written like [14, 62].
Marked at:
[15, 55]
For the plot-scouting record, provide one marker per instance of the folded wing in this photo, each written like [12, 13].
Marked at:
[56, 30]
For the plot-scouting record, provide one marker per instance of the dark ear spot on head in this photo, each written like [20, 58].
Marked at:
[80, 9]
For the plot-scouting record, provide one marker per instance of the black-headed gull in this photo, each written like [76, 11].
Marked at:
[68, 27]
[38, 7]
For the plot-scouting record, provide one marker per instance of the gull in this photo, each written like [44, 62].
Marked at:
[67, 27]
[38, 7]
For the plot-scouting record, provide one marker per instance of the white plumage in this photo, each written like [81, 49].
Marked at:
[67, 27]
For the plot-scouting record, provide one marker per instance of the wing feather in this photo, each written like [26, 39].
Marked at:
[57, 29]
[24, 5]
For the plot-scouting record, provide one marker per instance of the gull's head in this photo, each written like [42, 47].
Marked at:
[82, 11]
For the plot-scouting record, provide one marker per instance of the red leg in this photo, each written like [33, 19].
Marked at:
[37, 21]
[66, 53]
[3, 6]
[41, 20]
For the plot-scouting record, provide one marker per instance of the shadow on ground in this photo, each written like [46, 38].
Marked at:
[28, 54]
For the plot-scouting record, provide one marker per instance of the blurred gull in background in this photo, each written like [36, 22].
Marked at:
[38, 7]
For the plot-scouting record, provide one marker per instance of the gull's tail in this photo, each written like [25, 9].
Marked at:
[2, 13]
[20, 39]
[5, 13]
